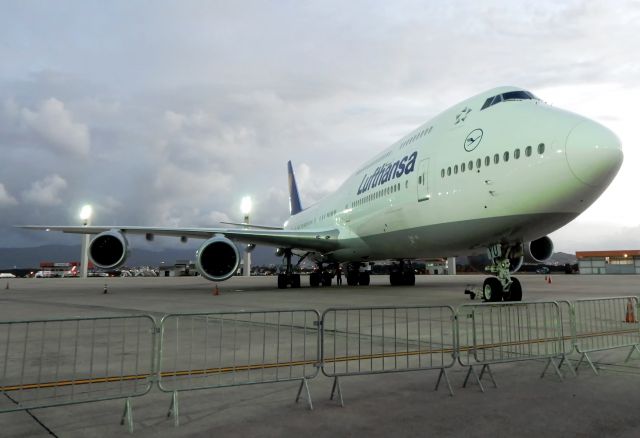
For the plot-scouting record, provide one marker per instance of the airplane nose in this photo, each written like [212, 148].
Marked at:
[594, 153]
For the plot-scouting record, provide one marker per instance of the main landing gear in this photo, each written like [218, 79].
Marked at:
[288, 278]
[402, 274]
[357, 276]
[502, 286]
[321, 277]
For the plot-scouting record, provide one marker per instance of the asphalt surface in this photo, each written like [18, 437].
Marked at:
[403, 404]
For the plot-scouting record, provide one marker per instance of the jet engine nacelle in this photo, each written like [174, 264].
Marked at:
[217, 259]
[109, 249]
[539, 250]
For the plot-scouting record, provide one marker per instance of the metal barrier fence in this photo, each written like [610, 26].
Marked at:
[213, 350]
[374, 340]
[568, 333]
[493, 333]
[55, 362]
[604, 324]
[58, 362]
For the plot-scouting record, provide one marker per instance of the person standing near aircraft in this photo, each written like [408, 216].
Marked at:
[339, 276]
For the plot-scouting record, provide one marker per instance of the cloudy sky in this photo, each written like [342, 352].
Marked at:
[166, 113]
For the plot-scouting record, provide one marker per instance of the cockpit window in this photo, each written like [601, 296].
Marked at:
[510, 95]
[517, 95]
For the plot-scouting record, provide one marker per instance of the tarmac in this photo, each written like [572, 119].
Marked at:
[402, 404]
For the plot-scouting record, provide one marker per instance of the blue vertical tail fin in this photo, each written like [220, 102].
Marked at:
[294, 198]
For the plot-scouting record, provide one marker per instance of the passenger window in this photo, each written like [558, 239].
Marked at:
[505, 157]
[487, 160]
[448, 171]
[527, 151]
[478, 163]
[442, 173]
[470, 165]
[462, 167]
[516, 154]
[541, 148]
[455, 169]
[496, 158]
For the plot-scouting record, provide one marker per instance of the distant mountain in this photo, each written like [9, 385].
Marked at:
[33, 256]
[562, 258]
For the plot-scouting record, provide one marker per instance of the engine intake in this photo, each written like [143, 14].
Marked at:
[109, 249]
[539, 250]
[217, 259]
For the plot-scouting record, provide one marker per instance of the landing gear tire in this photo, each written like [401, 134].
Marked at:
[406, 278]
[492, 290]
[285, 280]
[402, 274]
[364, 279]
[314, 279]
[326, 279]
[352, 278]
[282, 281]
[515, 291]
[409, 279]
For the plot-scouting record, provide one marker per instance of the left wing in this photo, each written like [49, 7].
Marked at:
[312, 240]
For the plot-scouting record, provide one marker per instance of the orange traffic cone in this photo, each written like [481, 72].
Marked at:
[631, 314]
[216, 291]
[549, 279]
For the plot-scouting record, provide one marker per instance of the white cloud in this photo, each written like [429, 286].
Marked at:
[46, 192]
[5, 198]
[52, 123]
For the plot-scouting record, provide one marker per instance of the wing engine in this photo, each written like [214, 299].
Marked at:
[539, 250]
[109, 249]
[217, 259]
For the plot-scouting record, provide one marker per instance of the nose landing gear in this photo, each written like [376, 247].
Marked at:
[502, 286]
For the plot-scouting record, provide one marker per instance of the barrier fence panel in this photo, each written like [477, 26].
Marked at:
[568, 333]
[372, 340]
[212, 350]
[604, 324]
[46, 363]
[492, 333]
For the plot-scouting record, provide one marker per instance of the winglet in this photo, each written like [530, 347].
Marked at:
[294, 198]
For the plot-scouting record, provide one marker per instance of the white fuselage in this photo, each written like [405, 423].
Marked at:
[426, 196]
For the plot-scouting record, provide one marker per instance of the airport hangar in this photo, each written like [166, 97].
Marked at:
[609, 262]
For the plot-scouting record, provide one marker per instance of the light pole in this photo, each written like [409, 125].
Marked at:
[245, 207]
[85, 217]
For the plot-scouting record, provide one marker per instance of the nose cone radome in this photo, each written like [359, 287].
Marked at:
[594, 153]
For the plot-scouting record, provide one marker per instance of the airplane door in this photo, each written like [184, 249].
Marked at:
[423, 181]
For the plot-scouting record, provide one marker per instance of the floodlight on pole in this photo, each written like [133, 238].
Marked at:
[245, 205]
[85, 216]
[245, 208]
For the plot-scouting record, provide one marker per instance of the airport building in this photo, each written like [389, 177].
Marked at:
[181, 268]
[609, 262]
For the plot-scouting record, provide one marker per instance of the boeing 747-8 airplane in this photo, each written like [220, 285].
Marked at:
[488, 178]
